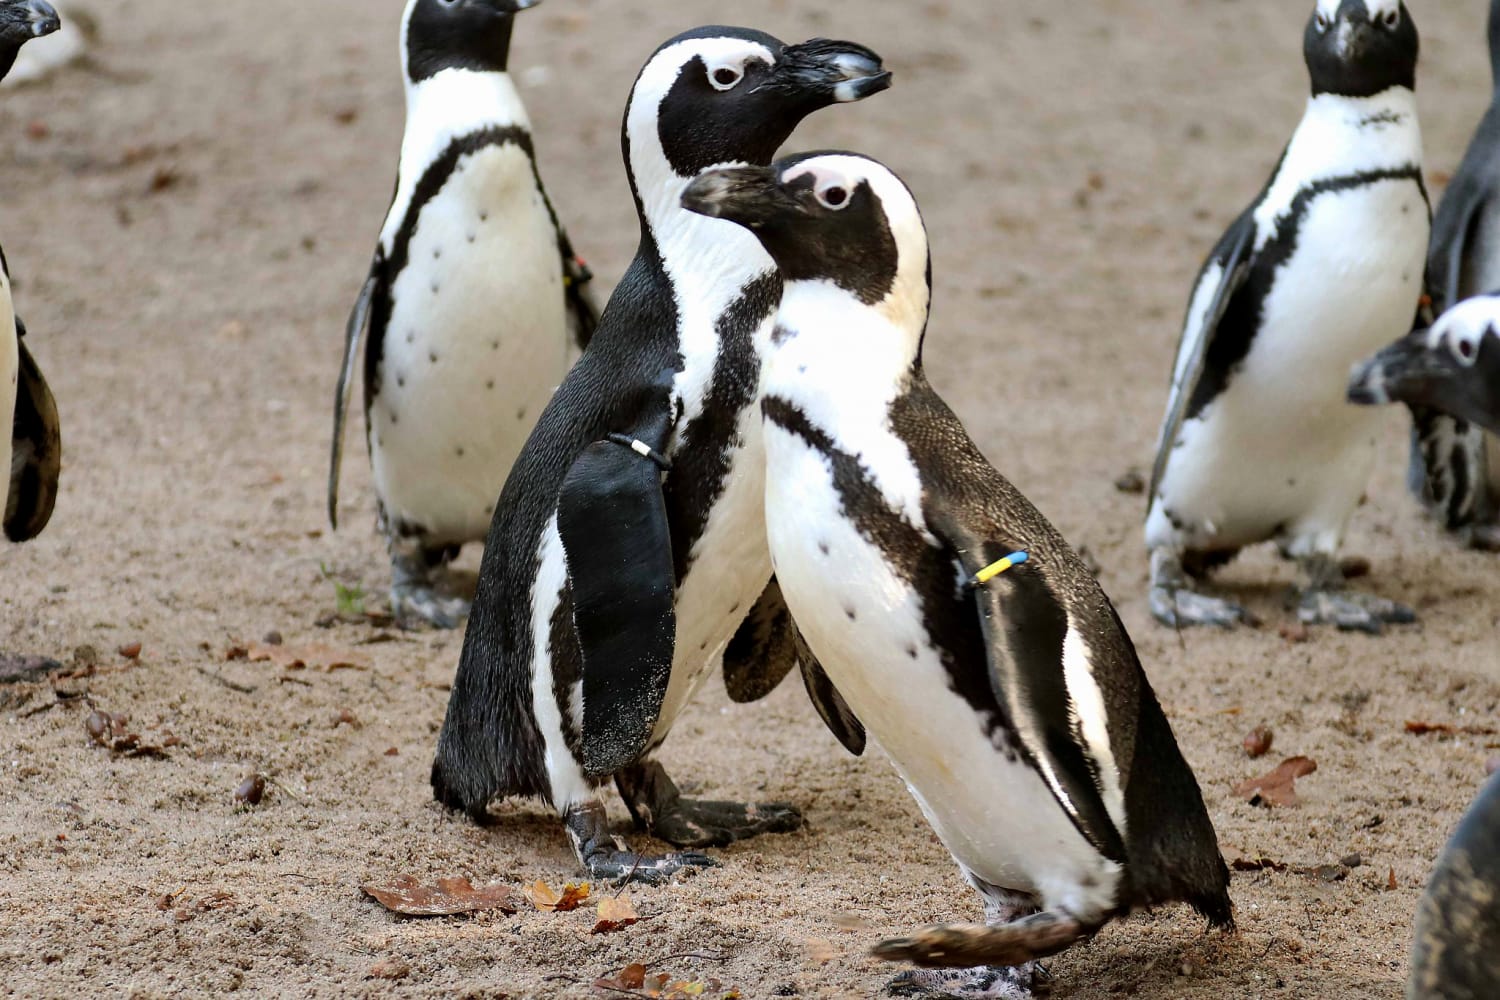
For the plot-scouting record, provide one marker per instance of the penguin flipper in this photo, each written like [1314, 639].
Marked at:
[36, 451]
[612, 518]
[763, 650]
[1233, 256]
[1025, 629]
[354, 334]
[831, 707]
[583, 311]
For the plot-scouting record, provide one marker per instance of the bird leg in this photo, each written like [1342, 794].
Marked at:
[1176, 604]
[1327, 600]
[415, 579]
[606, 858]
[659, 808]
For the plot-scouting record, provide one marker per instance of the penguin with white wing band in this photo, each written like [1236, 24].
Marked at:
[473, 300]
[629, 543]
[952, 622]
[1323, 269]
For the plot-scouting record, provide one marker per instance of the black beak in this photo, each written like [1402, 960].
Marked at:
[828, 72]
[1410, 371]
[21, 22]
[750, 196]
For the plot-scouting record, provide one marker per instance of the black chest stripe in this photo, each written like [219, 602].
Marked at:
[949, 615]
[1230, 343]
[701, 461]
[433, 180]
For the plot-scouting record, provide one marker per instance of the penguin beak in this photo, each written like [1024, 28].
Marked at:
[1410, 371]
[829, 72]
[21, 22]
[750, 196]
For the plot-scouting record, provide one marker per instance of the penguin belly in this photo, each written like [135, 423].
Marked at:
[988, 806]
[10, 369]
[1279, 453]
[730, 568]
[475, 345]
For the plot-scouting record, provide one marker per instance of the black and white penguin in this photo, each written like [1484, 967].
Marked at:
[1452, 368]
[1005, 690]
[31, 454]
[468, 303]
[1455, 466]
[1322, 270]
[1456, 955]
[629, 542]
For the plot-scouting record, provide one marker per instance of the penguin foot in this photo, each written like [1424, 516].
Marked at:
[19, 669]
[1352, 611]
[1177, 607]
[659, 808]
[1023, 982]
[960, 945]
[415, 604]
[623, 867]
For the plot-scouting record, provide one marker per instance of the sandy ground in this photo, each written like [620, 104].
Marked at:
[188, 222]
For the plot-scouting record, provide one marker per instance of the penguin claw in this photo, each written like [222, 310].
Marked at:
[1177, 607]
[1352, 611]
[623, 867]
[982, 983]
[699, 823]
[414, 605]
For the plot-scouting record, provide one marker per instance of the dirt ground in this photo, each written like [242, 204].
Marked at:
[188, 221]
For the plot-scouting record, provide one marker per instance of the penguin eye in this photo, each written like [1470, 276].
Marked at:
[1322, 22]
[1465, 349]
[726, 78]
[834, 196]
[1391, 18]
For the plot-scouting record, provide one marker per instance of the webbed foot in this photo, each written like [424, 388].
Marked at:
[658, 807]
[607, 859]
[17, 669]
[1352, 611]
[982, 983]
[1183, 608]
[963, 945]
[416, 595]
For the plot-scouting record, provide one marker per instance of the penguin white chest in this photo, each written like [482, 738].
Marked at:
[864, 623]
[1280, 451]
[475, 345]
[10, 368]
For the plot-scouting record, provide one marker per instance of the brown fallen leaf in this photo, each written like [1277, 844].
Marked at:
[389, 968]
[1390, 883]
[1257, 865]
[407, 896]
[1279, 787]
[314, 656]
[543, 898]
[632, 977]
[1447, 729]
[615, 914]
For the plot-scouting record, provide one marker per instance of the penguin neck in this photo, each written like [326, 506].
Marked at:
[833, 353]
[459, 101]
[1344, 136]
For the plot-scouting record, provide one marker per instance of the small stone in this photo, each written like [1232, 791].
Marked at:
[131, 651]
[390, 968]
[1355, 567]
[272, 638]
[86, 656]
[393, 752]
[98, 725]
[251, 790]
[1258, 742]
[1132, 483]
[1492, 766]
[1295, 633]
[1352, 860]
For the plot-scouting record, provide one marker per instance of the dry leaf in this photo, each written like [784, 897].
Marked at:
[315, 656]
[1390, 883]
[408, 896]
[632, 977]
[543, 898]
[1279, 787]
[1423, 728]
[1257, 865]
[389, 968]
[615, 913]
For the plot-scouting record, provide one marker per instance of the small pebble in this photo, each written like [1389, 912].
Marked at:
[98, 726]
[1492, 766]
[251, 790]
[1352, 860]
[1296, 632]
[131, 651]
[1131, 483]
[346, 718]
[1258, 743]
[272, 638]
[393, 752]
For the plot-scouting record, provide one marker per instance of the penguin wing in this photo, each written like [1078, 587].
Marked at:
[36, 451]
[1224, 273]
[1458, 215]
[830, 705]
[583, 311]
[764, 649]
[1026, 629]
[612, 518]
[354, 334]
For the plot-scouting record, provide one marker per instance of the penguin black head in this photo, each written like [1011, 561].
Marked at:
[20, 22]
[1360, 48]
[720, 95]
[1453, 367]
[830, 218]
[458, 34]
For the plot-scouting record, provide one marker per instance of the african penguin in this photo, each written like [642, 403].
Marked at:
[629, 542]
[1455, 466]
[1015, 709]
[31, 454]
[1323, 269]
[466, 311]
[1452, 368]
[1456, 955]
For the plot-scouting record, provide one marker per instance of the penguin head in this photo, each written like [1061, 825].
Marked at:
[1360, 48]
[721, 95]
[20, 22]
[1453, 367]
[831, 218]
[458, 34]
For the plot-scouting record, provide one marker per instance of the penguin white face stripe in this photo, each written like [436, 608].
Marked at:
[1374, 9]
[1463, 328]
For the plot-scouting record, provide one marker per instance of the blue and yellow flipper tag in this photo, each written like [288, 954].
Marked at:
[993, 570]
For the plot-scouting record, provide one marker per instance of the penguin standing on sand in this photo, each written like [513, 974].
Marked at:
[952, 621]
[468, 303]
[629, 543]
[1451, 369]
[1323, 269]
[1456, 466]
